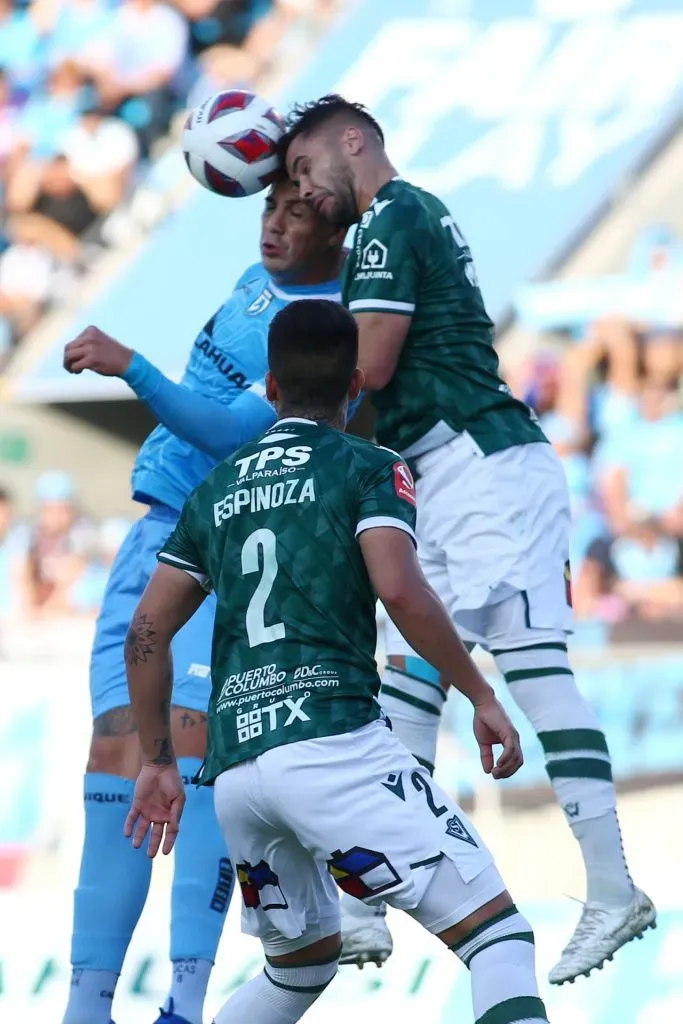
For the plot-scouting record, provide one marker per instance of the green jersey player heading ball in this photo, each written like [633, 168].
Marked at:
[298, 533]
[494, 511]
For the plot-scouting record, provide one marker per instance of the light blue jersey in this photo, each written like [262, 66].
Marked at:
[228, 356]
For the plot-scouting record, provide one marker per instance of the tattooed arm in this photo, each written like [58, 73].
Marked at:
[171, 598]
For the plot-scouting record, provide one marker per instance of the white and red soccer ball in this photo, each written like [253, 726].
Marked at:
[230, 143]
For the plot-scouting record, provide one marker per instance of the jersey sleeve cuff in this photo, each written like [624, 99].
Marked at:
[381, 306]
[192, 570]
[373, 522]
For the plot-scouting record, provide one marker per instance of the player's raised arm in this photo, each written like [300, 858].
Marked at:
[172, 596]
[212, 426]
[420, 616]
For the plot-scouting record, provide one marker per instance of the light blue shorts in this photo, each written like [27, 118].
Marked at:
[134, 564]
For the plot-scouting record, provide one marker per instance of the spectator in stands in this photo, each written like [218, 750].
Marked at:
[9, 127]
[58, 547]
[75, 27]
[26, 281]
[638, 574]
[102, 152]
[47, 116]
[213, 22]
[57, 209]
[222, 67]
[137, 67]
[21, 47]
[12, 545]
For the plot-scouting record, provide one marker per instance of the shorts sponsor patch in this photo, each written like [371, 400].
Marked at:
[403, 483]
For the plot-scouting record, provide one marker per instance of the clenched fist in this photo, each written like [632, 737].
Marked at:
[94, 350]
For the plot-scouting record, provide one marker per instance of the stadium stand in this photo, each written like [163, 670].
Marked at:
[563, 170]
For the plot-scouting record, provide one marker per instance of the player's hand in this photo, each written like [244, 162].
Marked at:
[94, 350]
[492, 726]
[158, 801]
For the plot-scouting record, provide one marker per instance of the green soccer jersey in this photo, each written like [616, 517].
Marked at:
[409, 258]
[274, 531]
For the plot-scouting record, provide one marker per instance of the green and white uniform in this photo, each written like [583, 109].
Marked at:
[494, 511]
[312, 787]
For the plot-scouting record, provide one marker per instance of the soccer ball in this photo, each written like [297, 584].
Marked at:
[229, 143]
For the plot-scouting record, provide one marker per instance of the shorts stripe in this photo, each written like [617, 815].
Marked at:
[508, 912]
[513, 1011]
[518, 675]
[580, 768]
[408, 698]
[312, 989]
[531, 647]
[514, 937]
[416, 679]
[558, 741]
[429, 862]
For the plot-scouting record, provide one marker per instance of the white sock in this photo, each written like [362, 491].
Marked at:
[500, 958]
[90, 997]
[279, 995]
[188, 988]
[607, 877]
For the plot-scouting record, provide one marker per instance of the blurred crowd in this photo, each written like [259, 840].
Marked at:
[54, 563]
[87, 88]
[611, 403]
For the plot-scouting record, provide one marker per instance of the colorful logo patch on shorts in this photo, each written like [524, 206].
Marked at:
[260, 887]
[403, 483]
[362, 873]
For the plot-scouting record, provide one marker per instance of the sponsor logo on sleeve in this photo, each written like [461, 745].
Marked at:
[403, 483]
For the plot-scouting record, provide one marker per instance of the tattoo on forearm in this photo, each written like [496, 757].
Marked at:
[117, 722]
[187, 721]
[140, 640]
[165, 754]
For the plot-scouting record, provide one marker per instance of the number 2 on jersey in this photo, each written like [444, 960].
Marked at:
[261, 542]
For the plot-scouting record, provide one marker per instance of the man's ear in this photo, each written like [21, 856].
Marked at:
[356, 385]
[272, 392]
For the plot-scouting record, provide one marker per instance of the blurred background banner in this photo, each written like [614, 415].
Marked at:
[553, 130]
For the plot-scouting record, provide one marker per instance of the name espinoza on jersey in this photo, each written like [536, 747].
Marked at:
[260, 497]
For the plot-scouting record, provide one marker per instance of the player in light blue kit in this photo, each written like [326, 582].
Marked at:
[214, 410]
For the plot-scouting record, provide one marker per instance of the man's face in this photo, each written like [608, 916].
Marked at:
[317, 164]
[293, 235]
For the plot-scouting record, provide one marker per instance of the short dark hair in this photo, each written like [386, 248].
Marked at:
[305, 117]
[312, 353]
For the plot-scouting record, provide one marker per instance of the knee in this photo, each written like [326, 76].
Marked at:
[115, 748]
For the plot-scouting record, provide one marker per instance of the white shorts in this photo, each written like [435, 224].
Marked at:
[493, 541]
[356, 810]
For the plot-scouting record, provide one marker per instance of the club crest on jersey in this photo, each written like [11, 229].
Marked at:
[403, 483]
[361, 873]
[260, 303]
[260, 887]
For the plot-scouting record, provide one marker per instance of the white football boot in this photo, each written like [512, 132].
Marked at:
[601, 931]
[365, 936]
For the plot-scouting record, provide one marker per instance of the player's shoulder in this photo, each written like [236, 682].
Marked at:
[368, 455]
[254, 275]
[399, 206]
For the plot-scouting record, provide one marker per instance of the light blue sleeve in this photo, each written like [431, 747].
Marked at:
[211, 426]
